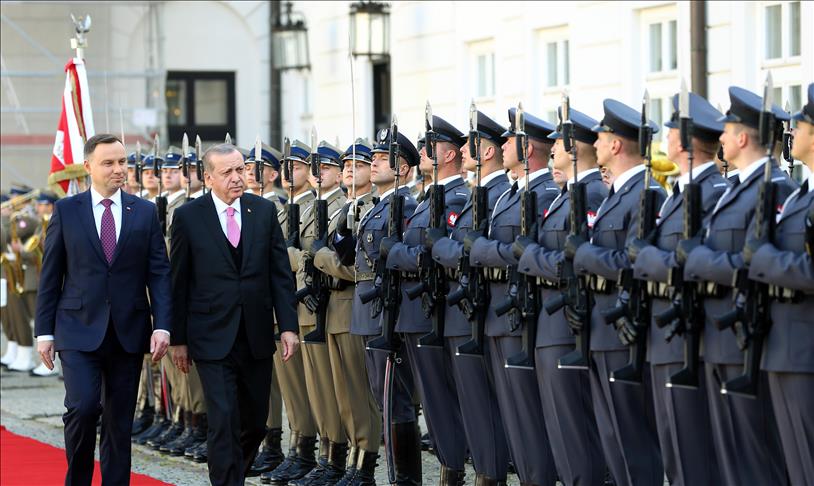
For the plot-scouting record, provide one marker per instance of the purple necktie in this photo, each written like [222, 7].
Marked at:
[232, 229]
[107, 232]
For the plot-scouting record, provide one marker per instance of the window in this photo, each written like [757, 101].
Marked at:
[485, 79]
[656, 113]
[663, 46]
[557, 63]
[795, 97]
[781, 30]
[200, 103]
[482, 61]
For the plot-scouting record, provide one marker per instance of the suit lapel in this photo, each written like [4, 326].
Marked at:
[86, 216]
[128, 208]
[732, 193]
[211, 219]
[674, 203]
[612, 201]
[795, 204]
[247, 227]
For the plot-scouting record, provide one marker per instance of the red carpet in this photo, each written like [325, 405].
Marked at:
[26, 462]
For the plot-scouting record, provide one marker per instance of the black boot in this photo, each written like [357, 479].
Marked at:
[337, 459]
[265, 477]
[201, 453]
[182, 441]
[198, 436]
[484, 480]
[143, 421]
[350, 467]
[314, 476]
[365, 469]
[296, 465]
[451, 477]
[160, 424]
[407, 454]
[271, 454]
[168, 435]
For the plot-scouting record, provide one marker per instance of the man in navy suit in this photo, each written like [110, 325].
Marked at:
[103, 252]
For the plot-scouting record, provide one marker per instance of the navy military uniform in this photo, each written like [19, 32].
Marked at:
[741, 427]
[624, 413]
[565, 394]
[473, 377]
[788, 356]
[517, 394]
[431, 366]
[682, 415]
[367, 322]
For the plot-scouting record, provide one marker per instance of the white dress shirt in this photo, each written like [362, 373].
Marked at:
[488, 178]
[220, 208]
[625, 176]
[98, 211]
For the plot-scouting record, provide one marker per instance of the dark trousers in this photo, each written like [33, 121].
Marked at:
[479, 410]
[236, 389]
[744, 431]
[625, 421]
[685, 436]
[104, 381]
[403, 384]
[522, 412]
[569, 419]
[432, 371]
[793, 401]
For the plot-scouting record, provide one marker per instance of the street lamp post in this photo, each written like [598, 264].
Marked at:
[290, 40]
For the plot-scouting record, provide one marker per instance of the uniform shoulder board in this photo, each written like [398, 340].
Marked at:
[552, 189]
[722, 184]
[460, 193]
[778, 179]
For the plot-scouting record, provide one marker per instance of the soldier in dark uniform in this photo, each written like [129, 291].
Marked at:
[565, 394]
[742, 428]
[517, 394]
[473, 376]
[359, 414]
[431, 365]
[366, 321]
[682, 414]
[624, 413]
[786, 264]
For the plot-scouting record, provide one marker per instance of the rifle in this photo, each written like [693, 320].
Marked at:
[527, 299]
[472, 296]
[316, 286]
[199, 167]
[292, 208]
[258, 165]
[388, 282]
[185, 165]
[139, 168]
[432, 282]
[160, 199]
[574, 287]
[751, 298]
[638, 309]
[686, 312]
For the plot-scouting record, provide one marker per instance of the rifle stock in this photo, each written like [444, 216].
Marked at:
[435, 291]
[528, 293]
[390, 286]
[319, 286]
[476, 291]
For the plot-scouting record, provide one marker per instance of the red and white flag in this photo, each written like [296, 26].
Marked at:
[74, 128]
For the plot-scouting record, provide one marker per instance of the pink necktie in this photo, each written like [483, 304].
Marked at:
[232, 229]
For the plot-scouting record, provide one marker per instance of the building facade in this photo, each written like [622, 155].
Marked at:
[206, 67]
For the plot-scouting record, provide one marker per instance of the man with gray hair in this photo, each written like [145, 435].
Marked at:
[228, 275]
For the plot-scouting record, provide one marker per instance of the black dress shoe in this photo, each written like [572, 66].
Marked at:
[167, 436]
[314, 477]
[142, 422]
[160, 424]
[271, 454]
[201, 454]
[296, 465]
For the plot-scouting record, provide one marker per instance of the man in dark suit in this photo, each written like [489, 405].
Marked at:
[229, 272]
[104, 248]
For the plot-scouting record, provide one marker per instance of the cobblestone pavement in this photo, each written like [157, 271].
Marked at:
[33, 407]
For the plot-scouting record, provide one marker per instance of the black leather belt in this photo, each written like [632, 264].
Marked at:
[365, 276]
[713, 290]
[547, 284]
[410, 276]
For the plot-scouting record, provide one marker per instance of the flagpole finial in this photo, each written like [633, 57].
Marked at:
[80, 41]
